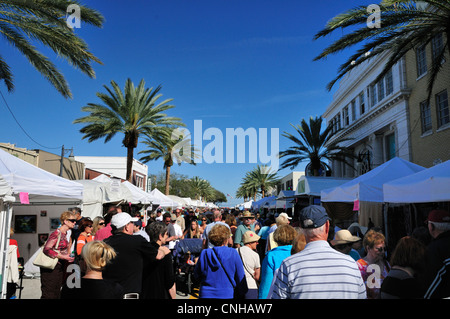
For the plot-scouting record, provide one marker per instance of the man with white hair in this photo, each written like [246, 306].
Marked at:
[217, 219]
[318, 271]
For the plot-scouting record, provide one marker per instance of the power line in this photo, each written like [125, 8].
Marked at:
[15, 119]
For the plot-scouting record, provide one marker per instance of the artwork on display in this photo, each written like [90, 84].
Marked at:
[54, 223]
[25, 224]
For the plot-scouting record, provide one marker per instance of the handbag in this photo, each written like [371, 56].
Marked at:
[44, 261]
[236, 294]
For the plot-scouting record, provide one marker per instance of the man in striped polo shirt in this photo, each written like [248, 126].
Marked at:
[318, 271]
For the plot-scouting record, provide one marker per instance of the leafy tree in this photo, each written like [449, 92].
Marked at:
[23, 22]
[314, 146]
[133, 112]
[405, 25]
[170, 147]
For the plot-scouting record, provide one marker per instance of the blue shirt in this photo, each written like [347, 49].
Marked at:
[271, 262]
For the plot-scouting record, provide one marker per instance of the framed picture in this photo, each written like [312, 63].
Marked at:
[54, 223]
[25, 224]
[42, 238]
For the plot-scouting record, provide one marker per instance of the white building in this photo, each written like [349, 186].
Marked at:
[287, 183]
[373, 115]
[115, 167]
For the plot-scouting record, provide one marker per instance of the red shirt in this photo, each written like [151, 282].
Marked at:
[14, 242]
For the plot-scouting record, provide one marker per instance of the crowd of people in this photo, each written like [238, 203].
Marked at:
[244, 256]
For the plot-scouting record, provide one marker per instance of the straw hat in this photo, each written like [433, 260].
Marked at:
[249, 237]
[247, 214]
[344, 237]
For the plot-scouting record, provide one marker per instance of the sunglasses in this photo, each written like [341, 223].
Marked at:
[380, 249]
[101, 224]
[72, 220]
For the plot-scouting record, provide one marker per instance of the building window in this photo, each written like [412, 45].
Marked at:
[362, 104]
[389, 83]
[139, 181]
[380, 89]
[421, 58]
[442, 108]
[345, 116]
[425, 116]
[437, 45]
[390, 147]
[353, 110]
[336, 122]
[373, 95]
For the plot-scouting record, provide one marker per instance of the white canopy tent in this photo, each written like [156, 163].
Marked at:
[245, 205]
[428, 185]
[37, 187]
[284, 199]
[256, 205]
[162, 200]
[139, 195]
[313, 185]
[181, 201]
[369, 187]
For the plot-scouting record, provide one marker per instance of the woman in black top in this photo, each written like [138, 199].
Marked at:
[96, 254]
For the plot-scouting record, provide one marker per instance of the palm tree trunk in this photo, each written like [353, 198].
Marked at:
[167, 180]
[129, 176]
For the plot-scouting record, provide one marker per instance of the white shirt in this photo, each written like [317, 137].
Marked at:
[251, 261]
[319, 272]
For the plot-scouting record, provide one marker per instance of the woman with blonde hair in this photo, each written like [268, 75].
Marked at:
[98, 223]
[374, 267]
[96, 254]
[57, 246]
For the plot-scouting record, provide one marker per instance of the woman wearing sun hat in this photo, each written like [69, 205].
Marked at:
[343, 242]
[251, 262]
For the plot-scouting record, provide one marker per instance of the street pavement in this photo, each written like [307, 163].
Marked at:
[32, 289]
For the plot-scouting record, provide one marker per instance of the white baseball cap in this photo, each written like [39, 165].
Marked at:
[121, 219]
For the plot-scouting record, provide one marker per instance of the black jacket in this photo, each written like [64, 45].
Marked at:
[133, 253]
[436, 277]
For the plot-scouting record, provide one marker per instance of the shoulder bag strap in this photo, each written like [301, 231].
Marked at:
[223, 268]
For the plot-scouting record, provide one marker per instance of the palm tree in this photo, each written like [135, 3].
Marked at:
[248, 188]
[201, 187]
[258, 180]
[44, 21]
[263, 178]
[404, 25]
[314, 146]
[170, 147]
[134, 112]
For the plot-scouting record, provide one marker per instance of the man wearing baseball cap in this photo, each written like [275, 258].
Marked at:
[318, 271]
[132, 253]
[436, 274]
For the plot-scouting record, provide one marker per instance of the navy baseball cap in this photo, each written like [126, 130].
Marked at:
[313, 216]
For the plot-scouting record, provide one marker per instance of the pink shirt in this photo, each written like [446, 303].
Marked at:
[49, 248]
[103, 233]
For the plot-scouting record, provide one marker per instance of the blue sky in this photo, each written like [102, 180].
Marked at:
[232, 64]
